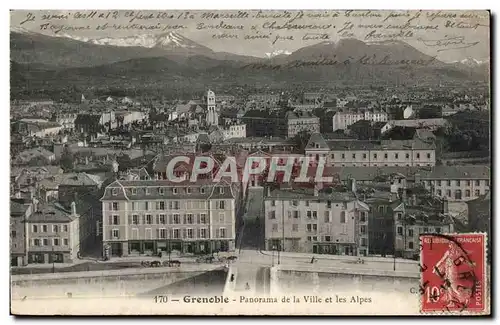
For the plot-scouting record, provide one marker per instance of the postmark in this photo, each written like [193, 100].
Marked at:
[453, 273]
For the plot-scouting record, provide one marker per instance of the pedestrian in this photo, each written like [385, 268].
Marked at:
[312, 260]
[247, 286]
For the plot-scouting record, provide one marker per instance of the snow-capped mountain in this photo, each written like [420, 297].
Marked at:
[277, 52]
[170, 39]
[471, 62]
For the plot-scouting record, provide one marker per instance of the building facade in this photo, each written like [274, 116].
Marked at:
[342, 119]
[53, 234]
[359, 153]
[456, 183]
[312, 222]
[19, 214]
[145, 217]
[301, 121]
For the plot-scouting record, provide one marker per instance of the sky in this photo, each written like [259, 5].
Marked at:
[448, 35]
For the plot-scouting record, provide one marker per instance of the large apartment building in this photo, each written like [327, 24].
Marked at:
[360, 153]
[456, 183]
[342, 119]
[145, 217]
[301, 121]
[313, 221]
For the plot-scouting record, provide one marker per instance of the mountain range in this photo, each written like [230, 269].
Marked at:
[143, 60]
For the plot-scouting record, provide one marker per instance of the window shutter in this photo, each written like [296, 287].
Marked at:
[111, 234]
[157, 233]
[143, 219]
[216, 233]
[184, 233]
[157, 219]
[129, 219]
[110, 220]
[170, 219]
[198, 218]
[184, 219]
[198, 233]
[170, 233]
[289, 214]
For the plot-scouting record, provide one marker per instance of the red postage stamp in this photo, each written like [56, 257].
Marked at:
[453, 273]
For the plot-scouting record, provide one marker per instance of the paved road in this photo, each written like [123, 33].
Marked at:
[254, 258]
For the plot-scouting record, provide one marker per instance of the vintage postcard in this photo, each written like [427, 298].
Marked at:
[250, 162]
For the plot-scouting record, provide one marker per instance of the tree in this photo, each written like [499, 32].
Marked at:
[67, 160]
[301, 139]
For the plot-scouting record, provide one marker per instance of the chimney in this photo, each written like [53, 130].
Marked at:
[73, 208]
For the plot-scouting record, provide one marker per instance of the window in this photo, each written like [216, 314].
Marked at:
[364, 156]
[309, 214]
[343, 156]
[149, 219]
[363, 229]
[448, 183]
[177, 219]
[407, 156]
[275, 227]
[428, 156]
[477, 182]
[174, 190]
[400, 230]
[328, 238]
[188, 190]
[363, 241]
[315, 214]
[203, 218]
[467, 193]
[56, 242]
[221, 190]
[45, 242]
[116, 220]
[115, 233]
[134, 206]
[458, 195]
[439, 192]
[295, 227]
[177, 234]
[35, 228]
[362, 216]
[438, 230]
[273, 203]
[396, 156]
[13, 234]
[65, 228]
[342, 217]
[162, 205]
[36, 242]
[295, 203]
[329, 204]
[222, 205]
[190, 233]
[163, 233]
[315, 238]
[176, 205]
[55, 228]
[374, 156]
[410, 232]
[203, 233]
[222, 233]
[438, 183]
[426, 230]
[353, 156]
[44, 228]
[381, 209]
[296, 214]
[309, 227]
[418, 155]
[148, 191]
[135, 219]
[309, 238]
[333, 156]
[134, 191]
[65, 242]
[385, 156]
[307, 203]
[315, 227]
[448, 193]
[272, 215]
[477, 193]
[115, 206]
[114, 192]
[487, 183]
[202, 190]
[161, 190]
[410, 245]
[458, 182]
